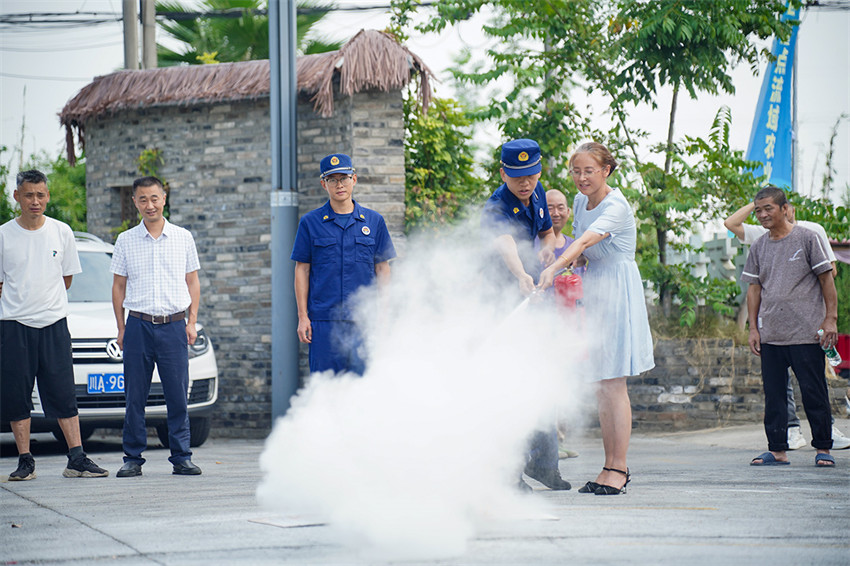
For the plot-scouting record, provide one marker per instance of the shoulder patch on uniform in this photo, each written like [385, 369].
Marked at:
[541, 213]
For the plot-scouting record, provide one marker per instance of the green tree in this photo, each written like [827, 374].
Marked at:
[216, 39]
[538, 51]
[625, 51]
[438, 150]
[7, 210]
[684, 45]
[439, 179]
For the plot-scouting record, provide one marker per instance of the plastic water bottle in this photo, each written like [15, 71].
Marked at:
[832, 355]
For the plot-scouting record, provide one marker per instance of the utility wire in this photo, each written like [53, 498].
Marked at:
[105, 17]
[63, 47]
[69, 79]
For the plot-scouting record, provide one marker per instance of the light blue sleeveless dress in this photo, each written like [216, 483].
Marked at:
[621, 342]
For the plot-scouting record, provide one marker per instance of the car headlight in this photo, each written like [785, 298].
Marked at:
[201, 345]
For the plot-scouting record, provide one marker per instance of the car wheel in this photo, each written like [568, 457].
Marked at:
[199, 431]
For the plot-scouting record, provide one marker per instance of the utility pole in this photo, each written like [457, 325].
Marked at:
[131, 35]
[284, 202]
[148, 34]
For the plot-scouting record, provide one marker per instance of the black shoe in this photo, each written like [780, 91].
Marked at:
[129, 470]
[26, 469]
[611, 490]
[186, 468]
[84, 468]
[550, 478]
[592, 486]
[589, 487]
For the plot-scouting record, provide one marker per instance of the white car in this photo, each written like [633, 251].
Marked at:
[98, 362]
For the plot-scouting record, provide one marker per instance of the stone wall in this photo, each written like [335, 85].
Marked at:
[703, 383]
[218, 167]
[370, 128]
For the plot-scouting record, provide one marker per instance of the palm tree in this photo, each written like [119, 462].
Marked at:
[244, 37]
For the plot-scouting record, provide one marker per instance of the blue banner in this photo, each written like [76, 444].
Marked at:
[770, 140]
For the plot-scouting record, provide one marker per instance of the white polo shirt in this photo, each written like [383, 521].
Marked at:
[32, 266]
[156, 268]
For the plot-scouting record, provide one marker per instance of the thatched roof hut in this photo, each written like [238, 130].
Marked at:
[370, 60]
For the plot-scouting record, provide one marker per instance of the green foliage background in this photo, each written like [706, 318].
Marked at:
[7, 211]
[67, 186]
[842, 285]
[624, 52]
[218, 40]
[439, 179]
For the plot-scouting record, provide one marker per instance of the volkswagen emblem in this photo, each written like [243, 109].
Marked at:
[113, 351]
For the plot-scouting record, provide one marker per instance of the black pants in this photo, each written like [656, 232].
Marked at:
[808, 363]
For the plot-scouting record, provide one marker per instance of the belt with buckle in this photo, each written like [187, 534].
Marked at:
[159, 319]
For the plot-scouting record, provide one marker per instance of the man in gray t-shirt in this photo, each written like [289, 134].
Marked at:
[791, 296]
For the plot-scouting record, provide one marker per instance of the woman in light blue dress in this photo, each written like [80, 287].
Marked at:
[614, 304]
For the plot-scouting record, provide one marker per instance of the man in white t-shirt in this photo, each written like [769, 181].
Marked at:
[749, 233]
[38, 259]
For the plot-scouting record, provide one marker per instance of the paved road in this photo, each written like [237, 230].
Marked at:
[693, 499]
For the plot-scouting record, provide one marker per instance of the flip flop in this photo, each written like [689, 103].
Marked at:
[768, 459]
[824, 458]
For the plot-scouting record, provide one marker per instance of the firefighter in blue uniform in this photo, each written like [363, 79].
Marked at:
[516, 214]
[513, 216]
[339, 247]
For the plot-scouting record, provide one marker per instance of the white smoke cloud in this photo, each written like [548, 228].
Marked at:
[415, 457]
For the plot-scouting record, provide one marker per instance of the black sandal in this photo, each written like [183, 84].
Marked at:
[591, 486]
[611, 490]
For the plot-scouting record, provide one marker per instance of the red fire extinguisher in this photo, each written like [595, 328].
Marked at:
[568, 290]
[569, 296]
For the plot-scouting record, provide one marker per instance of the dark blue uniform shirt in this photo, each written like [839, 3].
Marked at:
[504, 214]
[342, 251]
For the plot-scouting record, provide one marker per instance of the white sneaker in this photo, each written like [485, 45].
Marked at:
[839, 441]
[795, 438]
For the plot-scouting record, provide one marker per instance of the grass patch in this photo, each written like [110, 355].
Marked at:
[707, 325]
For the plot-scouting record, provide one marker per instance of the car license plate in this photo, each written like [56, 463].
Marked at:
[106, 383]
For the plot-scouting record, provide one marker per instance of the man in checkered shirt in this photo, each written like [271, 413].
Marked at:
[155, 267]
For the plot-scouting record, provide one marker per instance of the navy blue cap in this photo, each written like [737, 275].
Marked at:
[336, 163]
[521, 158]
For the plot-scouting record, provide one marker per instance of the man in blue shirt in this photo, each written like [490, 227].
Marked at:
[339, 247]
[514, 216]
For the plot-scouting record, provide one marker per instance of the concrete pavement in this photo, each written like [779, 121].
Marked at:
[693, 498]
